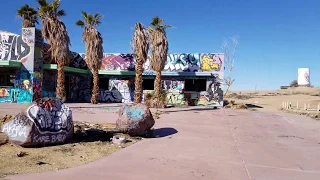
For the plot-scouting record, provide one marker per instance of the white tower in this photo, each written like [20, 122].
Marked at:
[304, 77]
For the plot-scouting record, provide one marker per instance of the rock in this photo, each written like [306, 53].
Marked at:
[3, 139]
[135, 119]
[46, 122]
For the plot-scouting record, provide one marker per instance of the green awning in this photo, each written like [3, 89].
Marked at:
[66, 69]
[16, 64]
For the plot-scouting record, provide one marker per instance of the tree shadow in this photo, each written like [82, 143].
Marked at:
[191, 109]
[161, 132]
[253, 106]
[95, 107]
[92, 135]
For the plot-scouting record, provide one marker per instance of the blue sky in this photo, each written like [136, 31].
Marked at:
[276, 36]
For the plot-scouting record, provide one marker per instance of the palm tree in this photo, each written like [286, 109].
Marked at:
[55, 31]
[141, 48]
[159, 47]
[29, 16]
[94, 49]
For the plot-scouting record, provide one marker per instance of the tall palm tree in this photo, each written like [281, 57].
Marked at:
[29, 16]
[55, 31]
[141, 48]
[159, 47]
[94, 49]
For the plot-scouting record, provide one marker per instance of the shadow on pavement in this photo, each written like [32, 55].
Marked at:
[253, 106]
[161, 132]
[191, 109]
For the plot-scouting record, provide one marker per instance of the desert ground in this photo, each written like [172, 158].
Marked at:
[271, 101]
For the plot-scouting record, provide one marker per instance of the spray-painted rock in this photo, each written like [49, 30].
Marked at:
[47, 122]
[135, 119]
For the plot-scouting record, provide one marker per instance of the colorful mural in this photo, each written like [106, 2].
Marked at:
[5, 95]
[172, 84]
[118, 62]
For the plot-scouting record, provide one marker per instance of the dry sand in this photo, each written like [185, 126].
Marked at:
[272, 100]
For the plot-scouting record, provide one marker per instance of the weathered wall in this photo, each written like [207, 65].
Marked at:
[25, 48]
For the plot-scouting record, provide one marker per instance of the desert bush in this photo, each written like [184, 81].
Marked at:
[154, 102]
[294, 83]
[233, 102]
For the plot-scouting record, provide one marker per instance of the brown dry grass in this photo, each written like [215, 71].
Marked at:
[52, 158]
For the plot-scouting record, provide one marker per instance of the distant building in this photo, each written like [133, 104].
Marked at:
[284, 87]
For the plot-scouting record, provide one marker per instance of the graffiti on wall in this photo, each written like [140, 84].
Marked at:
[37, 85]
[24, 86]
[191, 62]
[173, 84]
[214, 93]
[80, 88]
[175, 99]
[4, 92]
[118, 62]
[183, 62]
[49, 83]
[14, 47]
[211, 62]
[5, 95]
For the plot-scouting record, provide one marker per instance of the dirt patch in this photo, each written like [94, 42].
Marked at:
[5, 118]
[90, 142]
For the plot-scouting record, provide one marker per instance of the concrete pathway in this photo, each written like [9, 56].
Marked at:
[209, 144]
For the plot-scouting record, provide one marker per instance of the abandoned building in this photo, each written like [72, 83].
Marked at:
[27, 73]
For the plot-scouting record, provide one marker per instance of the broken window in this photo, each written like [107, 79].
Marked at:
[148, 84]
[195, 85]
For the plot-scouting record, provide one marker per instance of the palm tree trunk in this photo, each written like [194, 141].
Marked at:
[158, 85]
[95, 90]
[138, 84]
[60, 90]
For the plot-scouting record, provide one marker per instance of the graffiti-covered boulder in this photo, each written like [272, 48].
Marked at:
[135, 119]
[45, 122]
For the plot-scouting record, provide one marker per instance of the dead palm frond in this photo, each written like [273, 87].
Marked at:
[159, 48]
[94, 48]
[141, 47]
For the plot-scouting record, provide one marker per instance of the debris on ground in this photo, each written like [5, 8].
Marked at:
[118, 139]
[21, 154]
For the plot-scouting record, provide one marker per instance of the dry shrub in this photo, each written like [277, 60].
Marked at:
[236, 106]
[154, 102]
